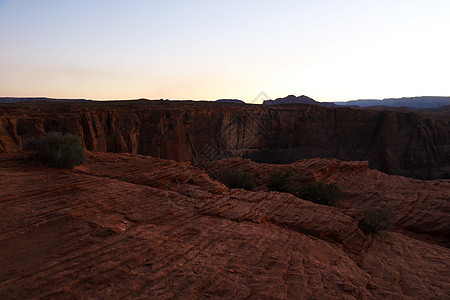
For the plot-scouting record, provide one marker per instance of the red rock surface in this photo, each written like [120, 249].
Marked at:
[420, 207]
[138, 227]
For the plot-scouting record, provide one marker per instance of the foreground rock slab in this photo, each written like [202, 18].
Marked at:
[138, 227]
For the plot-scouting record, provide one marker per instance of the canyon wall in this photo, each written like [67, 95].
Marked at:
[402, 143]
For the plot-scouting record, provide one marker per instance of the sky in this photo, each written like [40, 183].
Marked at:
[329, 50]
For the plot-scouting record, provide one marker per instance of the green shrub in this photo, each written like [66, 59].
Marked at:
[281, 181]
[320, 193]
[237, 178]
[317, 192]
[57, 150]
[375, 220]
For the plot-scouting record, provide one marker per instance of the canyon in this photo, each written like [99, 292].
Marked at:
[148, 215]
[414, 144]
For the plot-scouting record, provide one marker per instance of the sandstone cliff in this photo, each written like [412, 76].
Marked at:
[130, 226]
[403, 143]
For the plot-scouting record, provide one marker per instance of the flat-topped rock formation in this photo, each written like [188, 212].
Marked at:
[402, 143]
[131, 226]
[291, 99]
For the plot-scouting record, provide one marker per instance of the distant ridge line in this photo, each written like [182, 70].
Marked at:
[25, 99]
[411, 102]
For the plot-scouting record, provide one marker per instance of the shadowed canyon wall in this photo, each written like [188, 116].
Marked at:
[403, 143]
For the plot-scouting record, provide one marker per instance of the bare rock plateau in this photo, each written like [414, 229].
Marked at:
[127, 226]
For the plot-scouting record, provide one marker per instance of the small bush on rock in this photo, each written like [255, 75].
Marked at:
[57, 150]
[281, 181]
[317, 192]
[320, 193]
[237, 178]
[375, 220]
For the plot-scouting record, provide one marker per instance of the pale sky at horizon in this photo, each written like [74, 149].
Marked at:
[328, 50]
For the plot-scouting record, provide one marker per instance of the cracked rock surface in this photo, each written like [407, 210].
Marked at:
[137, 227]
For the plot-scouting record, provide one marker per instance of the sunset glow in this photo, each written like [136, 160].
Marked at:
[328, 50]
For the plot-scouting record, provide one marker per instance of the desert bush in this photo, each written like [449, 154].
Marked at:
[317, 192]
[237, 178]
[320, 193]
[375, 220]
[57, 150]
[281, 181]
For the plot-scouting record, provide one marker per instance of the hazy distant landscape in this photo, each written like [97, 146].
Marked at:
[412, 102]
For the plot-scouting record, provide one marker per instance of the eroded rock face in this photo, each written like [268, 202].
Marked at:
[130, 226]
[402, 143]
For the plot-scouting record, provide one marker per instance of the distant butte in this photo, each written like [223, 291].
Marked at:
[291, 99]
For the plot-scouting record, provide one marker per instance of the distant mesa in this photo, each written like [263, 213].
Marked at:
[292, 99]
[231, 101]
[411, 102]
